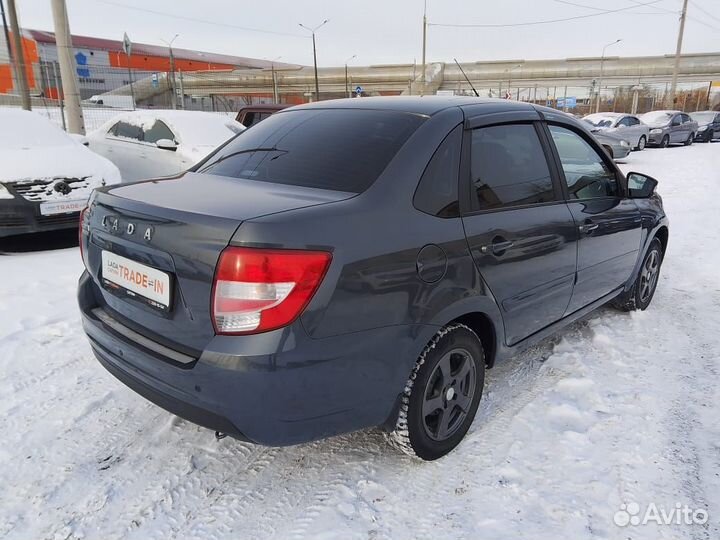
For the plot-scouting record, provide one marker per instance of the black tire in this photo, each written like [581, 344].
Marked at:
[642, 143]
[690, 140]
[438, 408]
[665, 142]
[643, 289]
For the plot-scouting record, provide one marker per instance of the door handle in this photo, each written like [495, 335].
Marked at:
[587, 228]
[497, 248]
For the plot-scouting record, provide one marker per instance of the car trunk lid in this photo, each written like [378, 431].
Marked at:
[178, 226]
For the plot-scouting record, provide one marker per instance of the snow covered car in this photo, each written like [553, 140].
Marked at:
[626, 126]
[150, 143]
[46, 175]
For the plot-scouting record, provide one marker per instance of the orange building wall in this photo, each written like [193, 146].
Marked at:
[161, 63]
[31, 57]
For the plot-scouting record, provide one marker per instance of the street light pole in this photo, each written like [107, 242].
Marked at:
[678, 50]
[424, 46]
[347, 86]
[19, 55]
[173, 101]
[274, 80]
[602, 62]
[312, 31]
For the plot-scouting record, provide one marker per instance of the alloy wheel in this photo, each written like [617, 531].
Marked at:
[649, 275]
[448, 394]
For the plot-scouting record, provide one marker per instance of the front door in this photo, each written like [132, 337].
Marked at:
[520, 232]
[608, 223]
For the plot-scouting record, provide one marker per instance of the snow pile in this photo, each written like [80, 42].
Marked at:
[617, 411]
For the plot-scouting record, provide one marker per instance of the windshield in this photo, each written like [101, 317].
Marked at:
[656, 117]
[600, 121]
[338, 149]
[22, 129]
[703, 117]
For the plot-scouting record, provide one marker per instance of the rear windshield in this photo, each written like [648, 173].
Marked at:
[338, 149]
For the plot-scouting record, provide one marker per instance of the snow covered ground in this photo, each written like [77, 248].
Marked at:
[621, 409]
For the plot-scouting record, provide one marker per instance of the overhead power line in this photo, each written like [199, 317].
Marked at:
[547, 21]
[699, 8]
[201, 21]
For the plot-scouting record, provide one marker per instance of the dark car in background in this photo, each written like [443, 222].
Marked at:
[252, 114]
[670, 127]
[360, 262]
[708, 125]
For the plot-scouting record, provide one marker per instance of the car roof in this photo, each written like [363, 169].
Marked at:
[424, 105]
[266, 107]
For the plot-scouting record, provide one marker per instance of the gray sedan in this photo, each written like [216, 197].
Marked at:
[627, 126]
[669, 127]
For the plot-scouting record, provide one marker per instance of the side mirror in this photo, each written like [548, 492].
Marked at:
[166, 144]
[79, 139]
[641, 186]
[676, 122]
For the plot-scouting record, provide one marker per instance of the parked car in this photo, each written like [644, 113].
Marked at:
[46, 176]
[151, 143]
[626, 126]
[252, 114]
[111, 100]
[333, 282]
[670, 127]
[614, 145]
[708, 125]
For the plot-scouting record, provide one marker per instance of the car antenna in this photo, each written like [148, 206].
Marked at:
[466, 78]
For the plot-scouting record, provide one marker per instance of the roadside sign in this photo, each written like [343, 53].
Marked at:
[127, 44]
[570, 102]
[359, 90]
[155, 81]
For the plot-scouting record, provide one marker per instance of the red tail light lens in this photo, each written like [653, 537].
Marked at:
[257, 290]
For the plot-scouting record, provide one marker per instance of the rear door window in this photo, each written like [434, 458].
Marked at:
[338, 149]
[437, 192]
[127, 131]
[509, 168]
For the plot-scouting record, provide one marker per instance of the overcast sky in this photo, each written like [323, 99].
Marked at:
[390, 31]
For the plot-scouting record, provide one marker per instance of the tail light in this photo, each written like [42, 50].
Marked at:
[257, 290]
[81, 223]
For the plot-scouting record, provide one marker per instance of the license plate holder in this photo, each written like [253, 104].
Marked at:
[130, 279]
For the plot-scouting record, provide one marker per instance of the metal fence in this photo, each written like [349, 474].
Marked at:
[228, 91]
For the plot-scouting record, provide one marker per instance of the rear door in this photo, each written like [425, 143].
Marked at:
[608, 223]
[125, 144]
[678, 132]
[520, 232]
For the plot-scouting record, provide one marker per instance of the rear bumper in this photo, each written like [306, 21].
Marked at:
[277, 388]
[18, 216]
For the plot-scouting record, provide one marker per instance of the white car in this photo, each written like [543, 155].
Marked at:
[46, 175]
[626, 126]
[153, 143]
